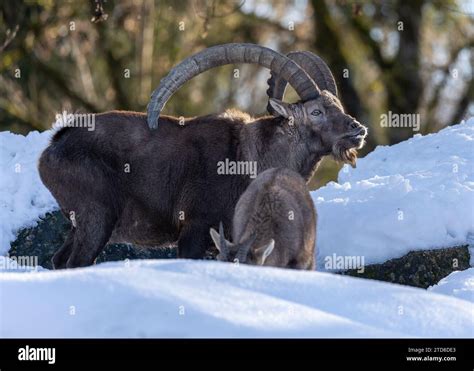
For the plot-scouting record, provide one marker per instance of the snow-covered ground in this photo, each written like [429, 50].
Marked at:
[459, 284]
[418, 194]
[23, 197]
[181, 298]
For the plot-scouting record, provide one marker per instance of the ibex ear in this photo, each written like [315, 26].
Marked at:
[216, 238]
[280, 107]
[221, 243]
[266, 250]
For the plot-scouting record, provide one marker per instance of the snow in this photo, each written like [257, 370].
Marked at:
[418, 194]
[23, 197]
[183, 298]
[459, 284]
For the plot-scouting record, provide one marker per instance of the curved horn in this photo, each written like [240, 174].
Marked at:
[244, 249]
[229, 54]
[313, 65]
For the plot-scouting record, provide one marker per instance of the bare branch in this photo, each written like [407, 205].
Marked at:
[10, 36]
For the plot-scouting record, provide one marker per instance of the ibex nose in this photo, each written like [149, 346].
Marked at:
[362, 131]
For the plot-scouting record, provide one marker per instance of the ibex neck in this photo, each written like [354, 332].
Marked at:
[272, 142]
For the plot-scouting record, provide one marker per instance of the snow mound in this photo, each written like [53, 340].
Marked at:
[459, 284]
[182, 298]
[418, 194]
[23, 197]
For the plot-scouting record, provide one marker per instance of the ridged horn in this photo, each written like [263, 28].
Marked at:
[313, 65]
[220, 55]
[241, 255]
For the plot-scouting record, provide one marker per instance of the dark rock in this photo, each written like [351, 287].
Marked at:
[422, 268]
[43, 240]
[417, 268]
[122, 251]
[49, 234]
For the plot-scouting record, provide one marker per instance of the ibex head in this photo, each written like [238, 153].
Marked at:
[244, 251]
[321, 116]
[324, 118]
[319, 109]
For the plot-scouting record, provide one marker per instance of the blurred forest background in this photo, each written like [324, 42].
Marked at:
[404, 56]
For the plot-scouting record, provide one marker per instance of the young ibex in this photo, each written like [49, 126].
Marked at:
[125, 182]
[274, 223]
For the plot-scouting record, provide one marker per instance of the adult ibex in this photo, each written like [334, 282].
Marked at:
[126, 182]
[274, 223]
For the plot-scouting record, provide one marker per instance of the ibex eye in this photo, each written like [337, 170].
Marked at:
[316, 112]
